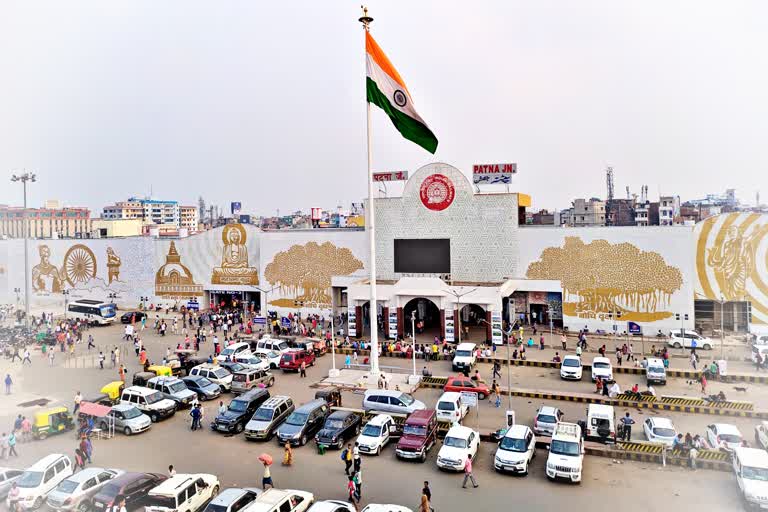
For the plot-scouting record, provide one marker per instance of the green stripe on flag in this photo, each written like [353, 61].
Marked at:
[409, 127]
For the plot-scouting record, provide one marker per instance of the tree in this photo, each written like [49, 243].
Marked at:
[305, 271]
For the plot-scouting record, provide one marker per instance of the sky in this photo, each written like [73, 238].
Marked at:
[263, 102]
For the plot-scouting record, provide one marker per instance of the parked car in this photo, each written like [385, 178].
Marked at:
[655, 372]
[41, 478]
[419, 435]
[239, 411]
[464, 358]
[660, 430]
[570, 368]
[250, 378]
[253, 361]
[545, 420]
[205, 389]
[150, 402]
[183, 493]
[566, 453]
[215, 374]
[750, 467]
[332, 506]
[292, 360]
[392, 401]
[131, 486]
[267, 344]
[460, 442]
[173, 388]
[272, 357]
[689, 339]
[331, 394]
[601, 423]
[379, 431]
[282, 500]
[338, 427]
[132, 316]
[7, 477]
[232, 366]
[450, 408]
[601, 367]
[75, 492]
[761, 437]
[461, 383]
[303, 423]
[516, 450]
[268, 417]
[128, 419]
[232, 351]
[233, 499]
[723, 436]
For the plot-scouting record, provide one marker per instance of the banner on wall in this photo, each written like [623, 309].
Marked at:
[235, 208]
[392, 318]
[450, 335]
[634, 329]
[496, 334]
[351, 321]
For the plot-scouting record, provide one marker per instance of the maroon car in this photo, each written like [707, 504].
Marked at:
[291, 360]
[419, 435]
[134, 487]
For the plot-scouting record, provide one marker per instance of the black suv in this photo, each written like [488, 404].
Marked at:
[338, 427]
[240, 411]
[303, 423]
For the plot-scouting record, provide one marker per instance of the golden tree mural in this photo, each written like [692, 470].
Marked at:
[600, 277]
[304, 272]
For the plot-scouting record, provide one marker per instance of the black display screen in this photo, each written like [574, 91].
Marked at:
[423, 256]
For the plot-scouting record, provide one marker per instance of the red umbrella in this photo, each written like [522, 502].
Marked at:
[266, 459]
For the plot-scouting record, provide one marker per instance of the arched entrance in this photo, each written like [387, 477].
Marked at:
[472, 320]
[365, 321]
[427, 317]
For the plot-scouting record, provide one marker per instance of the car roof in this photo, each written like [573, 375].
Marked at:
[571, 356]
[517, 431]
[466, 346]
[600, 359]
[726, 428]
[45, 462]
[379, 419]
[274, 401]
[126, 478]
[547, 409]
[600, 408]
[251, 394]
[449, 396]
[328, 506]
[662, 422]
[459, 431]
[311, 405]
[228, 495]
[172, 484]
[85, 474]
[420, 417]
[382, 392]
[752, 457]
[272, 497]
[655, 361]
[340, 414]
[164, 379]
[140, 390]
[238, 344]
[122, 407]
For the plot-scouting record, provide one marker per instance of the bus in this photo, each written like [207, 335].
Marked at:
[92, 311]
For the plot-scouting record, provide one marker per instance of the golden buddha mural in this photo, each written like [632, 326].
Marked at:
[234, 267]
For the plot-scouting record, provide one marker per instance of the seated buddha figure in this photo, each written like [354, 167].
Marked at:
[234, 267]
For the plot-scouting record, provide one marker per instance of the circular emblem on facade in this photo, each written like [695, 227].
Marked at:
[400, 99]
[437, 192]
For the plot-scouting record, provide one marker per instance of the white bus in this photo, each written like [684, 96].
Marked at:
[92, 311]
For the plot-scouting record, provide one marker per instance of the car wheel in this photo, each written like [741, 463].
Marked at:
[481, 396]
[378, 451]
[271, 383]
[239, 428]
[303, 440]
[83, 507]
[423, 457]
[127, 431]
[707, 347]
[215, 490]
[38, 503]
[153, 417]
[677, 344]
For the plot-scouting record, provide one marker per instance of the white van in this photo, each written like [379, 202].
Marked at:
[450, 408]
[266, 345]
[376, 434]
[751, 468]
[235, 349]
[150, 402]
[41, 478]
[465, 357]
[655, 373]
[566, 453]
[601, 422]
[188, 493]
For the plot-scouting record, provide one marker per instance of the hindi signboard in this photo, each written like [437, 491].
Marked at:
[490, 174]
[391, 176]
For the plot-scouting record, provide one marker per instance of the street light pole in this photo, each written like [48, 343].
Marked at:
[509, 362]
[24, 178]
[333, 335]
[458, 306]
[722, 327]
[413, 337]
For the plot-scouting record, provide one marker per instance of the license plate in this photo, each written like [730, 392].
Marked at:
[99, 505]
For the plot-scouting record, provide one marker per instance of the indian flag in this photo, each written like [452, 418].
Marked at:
[386, 89]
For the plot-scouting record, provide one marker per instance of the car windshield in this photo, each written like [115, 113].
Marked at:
[30, 479]
[282, 345]
[446, 406]
[296, 418]
[601, 364]
[203, 382]
[162, 501]
[372, 431]
[228, 351]
[263, 414]
[220, 373]
[131, 413]
[513, 444]
[572, 362]
[287, 358]
[272, 354]
[334, 424]
[753, 473]
[455, 442]
[546, 418]
[177, 386]
[664, 432]
[463, 353]
[153, 398]
[415, 430]
[67, 487]
[730, 438]
[406, 399]
[235, 367]
[568, 448]
[238, 406]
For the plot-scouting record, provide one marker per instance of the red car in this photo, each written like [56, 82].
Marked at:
[461, 383]
[291, 360]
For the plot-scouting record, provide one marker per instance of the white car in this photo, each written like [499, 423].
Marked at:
[723, 436]
[272, 357]
[688, 339]
[183, 493]
[566, 453]
[41, 478]
[450, 407]
[253, 361]
[601, 367]
[376, 434]
[570, 368]
[267, 344]
[281, 500]
[516, 450]
[761, 435]
[460, 442]
[464, 358]
[660, 430]
[75, 492]
[332, 506]
[216, 374]
[377, 507]
[229, 353]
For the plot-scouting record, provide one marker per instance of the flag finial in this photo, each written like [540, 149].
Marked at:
[365, 19]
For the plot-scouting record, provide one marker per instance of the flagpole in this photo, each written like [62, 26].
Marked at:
[373, 305]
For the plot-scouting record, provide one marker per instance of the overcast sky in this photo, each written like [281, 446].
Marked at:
[264, 102]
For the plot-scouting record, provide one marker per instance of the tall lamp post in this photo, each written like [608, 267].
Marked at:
[458, 305]
[24, 178]
[722, 326]
[66, 298]
[413, 337]
[266, 303]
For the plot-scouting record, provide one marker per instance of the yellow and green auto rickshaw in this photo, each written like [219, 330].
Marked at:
[113, 390]
[52, 421]
[160, 370]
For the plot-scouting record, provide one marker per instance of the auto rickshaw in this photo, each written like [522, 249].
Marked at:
[331, 394]
[160, 370]
[113, 390]
[141, 378]
[52, 421]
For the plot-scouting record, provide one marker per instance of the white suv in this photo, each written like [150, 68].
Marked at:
[464, 358]
[516, 450]
[41, 478]
[688, 339]
[376, 434]
[460, 442]
[570, 368]
[216, 374]
[230, 352]
[266, 345]
[566, 453]
[185, 493]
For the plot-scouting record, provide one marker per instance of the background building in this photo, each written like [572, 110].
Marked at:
[587, 213]
[49, 222]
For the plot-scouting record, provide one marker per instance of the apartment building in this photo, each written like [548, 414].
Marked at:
[151, 211]
[587, 213]
[189, 218]
[51, 222]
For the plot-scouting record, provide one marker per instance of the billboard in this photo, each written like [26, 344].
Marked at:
[317, 213]
[235, 207]
[490, 174]
[425, 256]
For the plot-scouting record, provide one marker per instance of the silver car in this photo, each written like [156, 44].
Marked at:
[7, 477]
[75, 492]
[128, 419]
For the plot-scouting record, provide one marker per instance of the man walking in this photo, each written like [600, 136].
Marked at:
[468, 473]
[195, 413]
[496, 370]
[627, 421]
[27, 358]
[303, 370]
[15, 354]
[8, 383]
[101, 360]
[12, 444]
[91, 344]
[346, 456]
[78, 399]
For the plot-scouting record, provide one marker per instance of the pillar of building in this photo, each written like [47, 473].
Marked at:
[359, 321]
[488, 331]
[385, 314]
[400, 326]
[442, 323]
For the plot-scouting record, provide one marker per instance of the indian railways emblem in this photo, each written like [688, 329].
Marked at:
[437, 192]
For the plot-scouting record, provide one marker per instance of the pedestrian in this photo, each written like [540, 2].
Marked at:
[90, 342]
[288, 455]
[222, 408]
[266, 480]
[618, 356]
[121, 372]
[356, 460]
[4, 446]
[496, 369]
[101, 360]
[541, 342]
[113, 358]
[15, 354]
[78, 399]
[346, 456]
[86, 447]
[171, 470]
[703, 384]
[358, 480]
[599, 385]
[26, 430]
[120, 500]
[424, 505]
[79, 459]
[12, 444]
[51, 356]
[347, 361]
[8, 383]
[758, 361]
[693, 359]
[27, 358]
[468, 473]
[195, 413]
[496, 389]
[427, 491]
[352, 493]
[563, 339]
[627, 421]
[303, 370]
